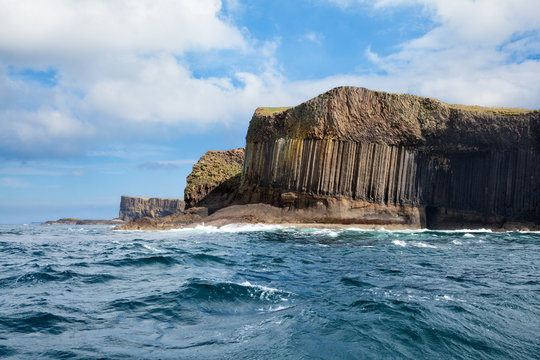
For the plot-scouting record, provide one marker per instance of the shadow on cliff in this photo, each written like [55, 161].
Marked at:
[221, 196]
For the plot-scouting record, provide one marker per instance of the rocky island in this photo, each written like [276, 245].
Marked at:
[131, 208]
[356, 157]
[76, 221]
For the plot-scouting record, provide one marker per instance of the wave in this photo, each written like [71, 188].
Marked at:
[329, 229]
[233, 228]
[147, 260]
[357, 283]
[37, 321]
[195, 296]
[11, 232]
[207, 258]
[48, 274]
[326, 229]
[6, 351]
[423, 245]
[399, 243]
[230, 291]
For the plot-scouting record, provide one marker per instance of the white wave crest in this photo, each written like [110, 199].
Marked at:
[266, 292]
[231, 228]
[424, 245]
[327, 232]
[153, 249]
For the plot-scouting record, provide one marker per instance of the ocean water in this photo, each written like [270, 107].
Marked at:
[267, 292]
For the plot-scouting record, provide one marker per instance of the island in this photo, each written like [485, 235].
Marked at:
[131, 208]
[371, 159]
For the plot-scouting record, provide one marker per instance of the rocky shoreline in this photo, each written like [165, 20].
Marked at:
[271, 215]
[353, 157]
[75, 221]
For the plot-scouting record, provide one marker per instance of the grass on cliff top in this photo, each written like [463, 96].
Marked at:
[265, 111]
[495, 110]
[213, 168]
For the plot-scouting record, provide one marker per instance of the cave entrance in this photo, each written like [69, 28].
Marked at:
[432, 217]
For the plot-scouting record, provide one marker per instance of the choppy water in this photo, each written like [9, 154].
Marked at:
[267, 293]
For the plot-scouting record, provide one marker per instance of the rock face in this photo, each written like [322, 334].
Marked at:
[137, 207]
[214, 179]
[176, 220]
[431, 163]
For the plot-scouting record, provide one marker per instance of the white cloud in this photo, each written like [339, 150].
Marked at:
[166, 164]
[480, 52]
[43, 131]
[121, 72]
[313, 37]
[78, 173]
[54, 29]
[116, 63]
[11, 182]
[121, 68]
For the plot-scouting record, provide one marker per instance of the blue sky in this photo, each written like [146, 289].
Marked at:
[100, 98]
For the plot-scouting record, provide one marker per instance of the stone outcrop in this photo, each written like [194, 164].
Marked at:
[428, 162]
[214, 179]
[355, 157]
[75, 221]
[211, 185]
[176, 220]
[136, 207]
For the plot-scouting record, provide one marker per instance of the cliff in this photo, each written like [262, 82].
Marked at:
[137, 207]
[212, 185]
[353, 155]
[214, 179]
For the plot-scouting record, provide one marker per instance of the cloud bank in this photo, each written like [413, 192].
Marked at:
[119, 68]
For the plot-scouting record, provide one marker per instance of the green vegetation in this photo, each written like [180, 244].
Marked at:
[494, 110]
[215, 168]
[265, 111]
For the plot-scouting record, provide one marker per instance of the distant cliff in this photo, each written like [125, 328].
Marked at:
[369, 157]
[137, 207]
[212, 185]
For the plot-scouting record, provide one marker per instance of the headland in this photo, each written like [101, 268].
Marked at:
[356, 157]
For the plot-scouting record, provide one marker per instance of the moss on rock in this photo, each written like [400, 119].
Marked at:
[216, 174]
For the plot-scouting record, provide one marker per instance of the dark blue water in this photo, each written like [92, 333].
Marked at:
[276, 293]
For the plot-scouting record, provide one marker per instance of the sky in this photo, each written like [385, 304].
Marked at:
[103, 98]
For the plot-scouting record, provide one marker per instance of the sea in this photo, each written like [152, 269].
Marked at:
[267, 292]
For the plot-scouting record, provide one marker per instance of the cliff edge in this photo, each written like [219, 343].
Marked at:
[132, 207]
[356, 156]
[211, 185]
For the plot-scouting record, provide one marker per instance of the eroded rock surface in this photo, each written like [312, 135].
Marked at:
[137, 207]
[176, 220]
[214, 179]
[355, 157]
[397, 150]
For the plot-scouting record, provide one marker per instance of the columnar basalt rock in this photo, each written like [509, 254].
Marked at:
[449, 162]
[136, 207]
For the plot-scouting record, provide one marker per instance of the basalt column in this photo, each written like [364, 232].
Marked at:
[404, 150]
